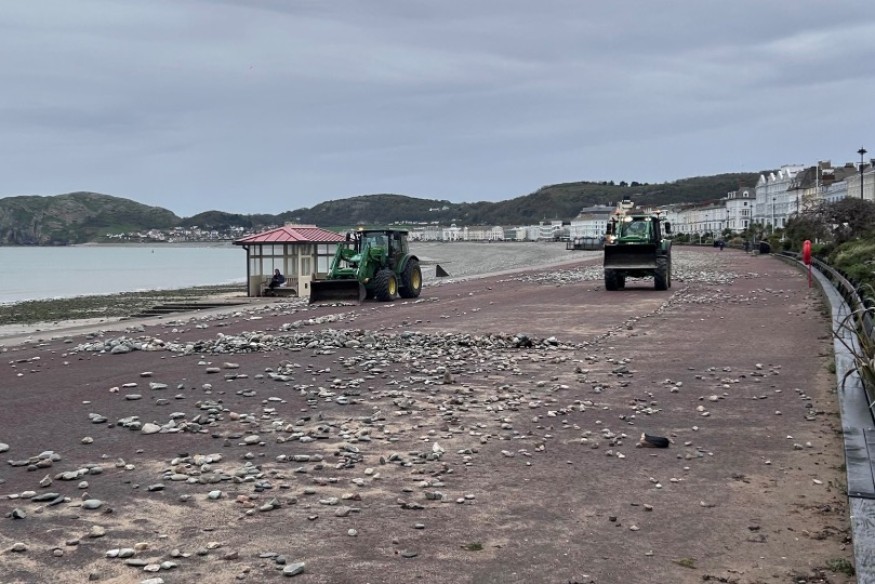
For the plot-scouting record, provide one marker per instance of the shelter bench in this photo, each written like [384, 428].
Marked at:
[283, 290]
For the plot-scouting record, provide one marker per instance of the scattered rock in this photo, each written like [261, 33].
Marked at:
[294, 569]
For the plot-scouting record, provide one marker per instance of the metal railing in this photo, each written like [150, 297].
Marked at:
[856, 301]
[859, 305]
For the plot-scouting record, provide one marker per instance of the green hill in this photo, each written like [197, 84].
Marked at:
[84, 217]
[560, 201]
[221, 220]
[75, 218]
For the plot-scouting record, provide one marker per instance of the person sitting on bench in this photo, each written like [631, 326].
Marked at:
[277, 280]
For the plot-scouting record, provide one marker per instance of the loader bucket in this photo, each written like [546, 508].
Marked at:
[631, 257]
[337, 291]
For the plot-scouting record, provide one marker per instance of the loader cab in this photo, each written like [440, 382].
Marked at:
[641, 228]
[375, 239]
[398, 247]
[392, 242]
[638, 227]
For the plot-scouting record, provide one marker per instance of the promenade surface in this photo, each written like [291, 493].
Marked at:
[417, 441]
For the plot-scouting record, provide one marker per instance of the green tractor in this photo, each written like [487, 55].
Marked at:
[371, 263]
[636, 247]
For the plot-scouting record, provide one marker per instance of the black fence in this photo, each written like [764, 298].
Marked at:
[585, 243]
[860, 305]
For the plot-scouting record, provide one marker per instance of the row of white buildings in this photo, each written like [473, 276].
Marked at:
[544, 231]
[777, 197]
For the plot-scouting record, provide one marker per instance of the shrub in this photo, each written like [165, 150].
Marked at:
[856, 259]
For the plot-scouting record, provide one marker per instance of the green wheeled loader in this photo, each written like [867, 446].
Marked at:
[371, 263]
[636, 247]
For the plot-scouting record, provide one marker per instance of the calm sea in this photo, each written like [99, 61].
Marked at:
[31, 273]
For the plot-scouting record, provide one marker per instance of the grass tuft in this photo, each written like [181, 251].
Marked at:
[842, 565]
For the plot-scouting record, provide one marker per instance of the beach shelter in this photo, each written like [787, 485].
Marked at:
[300, 252]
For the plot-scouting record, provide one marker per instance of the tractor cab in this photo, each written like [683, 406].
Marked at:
[390, 244]
[636, 227]
[373, 239]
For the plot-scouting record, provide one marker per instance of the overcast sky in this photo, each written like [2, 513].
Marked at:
[263, 106]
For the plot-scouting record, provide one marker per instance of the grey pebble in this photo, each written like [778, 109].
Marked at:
[293, 569]
[96, 531]
[43, 497]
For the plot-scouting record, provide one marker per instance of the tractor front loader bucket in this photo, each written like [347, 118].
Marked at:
[346, 290]
[630, 257]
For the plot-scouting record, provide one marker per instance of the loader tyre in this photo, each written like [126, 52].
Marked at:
[661, 275]
[411, 280]
[385, 285]
[612, 280]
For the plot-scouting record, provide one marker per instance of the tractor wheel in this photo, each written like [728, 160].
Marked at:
[612, 280]
[385, 285]
[661, 275]
[411, 280]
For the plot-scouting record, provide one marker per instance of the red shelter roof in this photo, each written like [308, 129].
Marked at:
[293, 234]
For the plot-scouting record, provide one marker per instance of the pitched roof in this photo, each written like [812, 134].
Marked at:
[292, 234]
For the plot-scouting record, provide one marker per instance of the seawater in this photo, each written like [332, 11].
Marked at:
[36, 273]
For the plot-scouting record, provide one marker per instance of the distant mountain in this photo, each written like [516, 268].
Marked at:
[553, 202]
[83, 217]
[564, 201]
[75, 218]
[376, 209]
[220, 220]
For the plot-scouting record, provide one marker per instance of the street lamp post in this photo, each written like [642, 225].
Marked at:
[772, 222]
[861, 152]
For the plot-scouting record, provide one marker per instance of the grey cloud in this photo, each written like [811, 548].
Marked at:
[269, 105]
